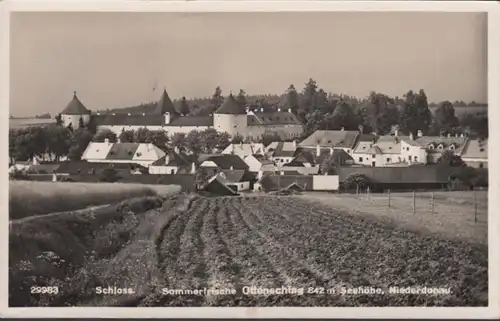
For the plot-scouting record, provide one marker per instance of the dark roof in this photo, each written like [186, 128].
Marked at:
[225, 161]
[122, 151]
[272, 118]
[337, 138]
[174, 159]
[126, 120]
[230, 106]
[72, 167]
[192, 121]
[217, 186]
[233, 176]
[279, 152]
[75, 107]
[165, 105]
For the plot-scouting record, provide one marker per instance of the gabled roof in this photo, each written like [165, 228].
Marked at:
[224, 161]
[231, 107]
[75, 107]
[122, 151]
[475, 148]
[459, 142]
[272, 118]
[148, 152]
[165, 105]
[173, 159]
[327, 138]
[244, 150]
[284, 150]
[96, 150]
[217, 186]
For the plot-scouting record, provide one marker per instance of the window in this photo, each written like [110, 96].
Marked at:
[440, 147]
[431, 146]
[172, 171]
[452, 147]
[415, 158]
[388, 160]
[409, 158]
[481, 149]
[373, 155]
[361, 159]
[481, 165]
[407, 149]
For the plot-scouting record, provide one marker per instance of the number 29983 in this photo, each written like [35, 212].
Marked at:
[44, 290]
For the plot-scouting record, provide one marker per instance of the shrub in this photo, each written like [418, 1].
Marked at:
[109, 175]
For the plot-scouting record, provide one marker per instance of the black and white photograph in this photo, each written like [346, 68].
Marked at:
[248, 159]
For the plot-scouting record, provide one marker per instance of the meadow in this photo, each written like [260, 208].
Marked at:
[187, 241]
[30, 198]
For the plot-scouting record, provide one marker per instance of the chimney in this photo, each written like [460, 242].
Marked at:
[193, 168]
[279, 109]
[318, 151]
[247, 109]
[360, 128]
[294, 142]
[176, 150]
[396, 133]
[262, 110]
[449, 135]
[113, 114]
[289, 110]
[342, 129]
[118, 140]
[259, 175]
[331, 151]
[106, 140]
[456, 134]
[143, 114]
[98, 113]
[167, 160]
[411, 136]
[128, 114]
[420, 133]
[167, 118]
[462, 135]
[231, 168]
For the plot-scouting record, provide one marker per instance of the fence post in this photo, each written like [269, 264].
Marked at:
[414, 209]
[474, 204]
[432, 211]
[389, 203]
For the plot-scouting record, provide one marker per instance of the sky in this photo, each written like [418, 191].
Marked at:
[115, 60]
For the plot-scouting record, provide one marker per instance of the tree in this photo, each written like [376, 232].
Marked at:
[58, 119]
[237, 139]
[292, 99]
[126, 136]
[416, 114]
[321, 101]
[58, 141]
[194, 142]
[79, 141]
[241, 98]
[179, 140]
[476, 124]
[268, 138]
[448, 157]
[357, 180]
[381, 113]
[105, 134]
[309, 94]
[70, 127]
[158, 138]
[328, 166]
[216, 101]
[444, 118]
[141, 135]
[184, 109]
[344, 117]
[80, 123]
[201, 179]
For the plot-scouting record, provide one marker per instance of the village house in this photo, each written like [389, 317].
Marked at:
[174, 162]
[230, 117]
[244, 149]
[281, 152]
[475, 153]
[258, 162]
[221, 162]
[338, 139]
[143, 154]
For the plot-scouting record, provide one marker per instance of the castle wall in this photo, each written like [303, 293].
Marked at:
[74, 120]
[232, 124]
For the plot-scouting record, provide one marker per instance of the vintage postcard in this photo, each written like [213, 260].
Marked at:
[250, 155]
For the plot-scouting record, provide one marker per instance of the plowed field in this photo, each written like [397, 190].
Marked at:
[272, 242]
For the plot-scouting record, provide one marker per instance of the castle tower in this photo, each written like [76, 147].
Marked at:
[73, 112]
[230, 117]
[165, 107]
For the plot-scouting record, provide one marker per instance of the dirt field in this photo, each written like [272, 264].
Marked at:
[29, 198]
[192, 242]
[451, 217]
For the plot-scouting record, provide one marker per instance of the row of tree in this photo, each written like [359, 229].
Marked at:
[378, 112]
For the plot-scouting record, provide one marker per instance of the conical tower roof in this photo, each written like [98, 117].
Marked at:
[75, 107]
[230, 106]
[165, 105]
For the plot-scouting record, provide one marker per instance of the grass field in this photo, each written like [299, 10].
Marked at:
[452, 215]
[189, 242]
[29, 198]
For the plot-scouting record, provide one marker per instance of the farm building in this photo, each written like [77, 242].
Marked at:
[475, 153]
[258, 163]
[281, 152]
[137, 153]
[235, 179]
[243, 150]
[174, 162]
[222, 161]
[217, 186]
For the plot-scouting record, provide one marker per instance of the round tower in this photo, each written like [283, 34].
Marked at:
[73, 112]
[231, 117]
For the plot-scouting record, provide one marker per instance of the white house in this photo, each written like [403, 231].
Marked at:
[132, 153]
[244, 150]
[172, 163]
[475, 153]
[258, 162]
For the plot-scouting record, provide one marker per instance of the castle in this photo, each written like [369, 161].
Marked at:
[229, 117]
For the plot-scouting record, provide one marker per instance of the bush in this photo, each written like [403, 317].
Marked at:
[109, 175]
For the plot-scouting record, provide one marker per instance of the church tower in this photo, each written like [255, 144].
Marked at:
[230, 117]
[73, 112]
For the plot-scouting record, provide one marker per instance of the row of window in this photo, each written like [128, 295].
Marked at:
[389, 160]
